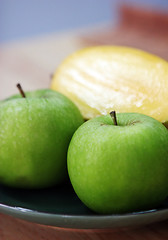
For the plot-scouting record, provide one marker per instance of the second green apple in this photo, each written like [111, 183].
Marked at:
[120, 166]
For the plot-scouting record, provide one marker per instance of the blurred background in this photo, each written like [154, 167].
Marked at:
[27, 18]
[36, 35]
[20, 19]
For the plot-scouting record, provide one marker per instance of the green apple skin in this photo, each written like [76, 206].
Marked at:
[34, 137]
[123, 168]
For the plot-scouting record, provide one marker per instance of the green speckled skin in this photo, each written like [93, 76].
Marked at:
[124, 168]
[34, 136]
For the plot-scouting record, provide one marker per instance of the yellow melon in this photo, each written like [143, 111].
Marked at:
[105, 78]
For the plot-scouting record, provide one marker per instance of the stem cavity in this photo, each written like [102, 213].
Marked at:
[113, 116]
[21, 90]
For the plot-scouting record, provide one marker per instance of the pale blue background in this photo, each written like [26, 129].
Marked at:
[21, 19]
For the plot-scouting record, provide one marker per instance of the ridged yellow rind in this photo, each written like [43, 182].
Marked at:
[104, 78]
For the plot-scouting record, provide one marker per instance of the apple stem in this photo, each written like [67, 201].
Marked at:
[113, 116]
[51, 75]
[21, 90]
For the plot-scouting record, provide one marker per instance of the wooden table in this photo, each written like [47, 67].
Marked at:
[31, 63]
[16, 229]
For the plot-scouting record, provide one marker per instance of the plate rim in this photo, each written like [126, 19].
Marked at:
[75, 221]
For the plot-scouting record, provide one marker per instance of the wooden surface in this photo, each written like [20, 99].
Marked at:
[31, 63]
[16, 229]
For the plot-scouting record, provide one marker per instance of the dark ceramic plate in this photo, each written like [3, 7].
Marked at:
[61, 207]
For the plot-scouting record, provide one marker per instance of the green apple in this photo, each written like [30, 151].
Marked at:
[35, 132]
[119, 165]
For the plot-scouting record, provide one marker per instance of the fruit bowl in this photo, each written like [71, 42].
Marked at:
[60, 207]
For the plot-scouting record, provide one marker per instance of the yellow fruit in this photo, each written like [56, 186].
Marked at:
[105, 78]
